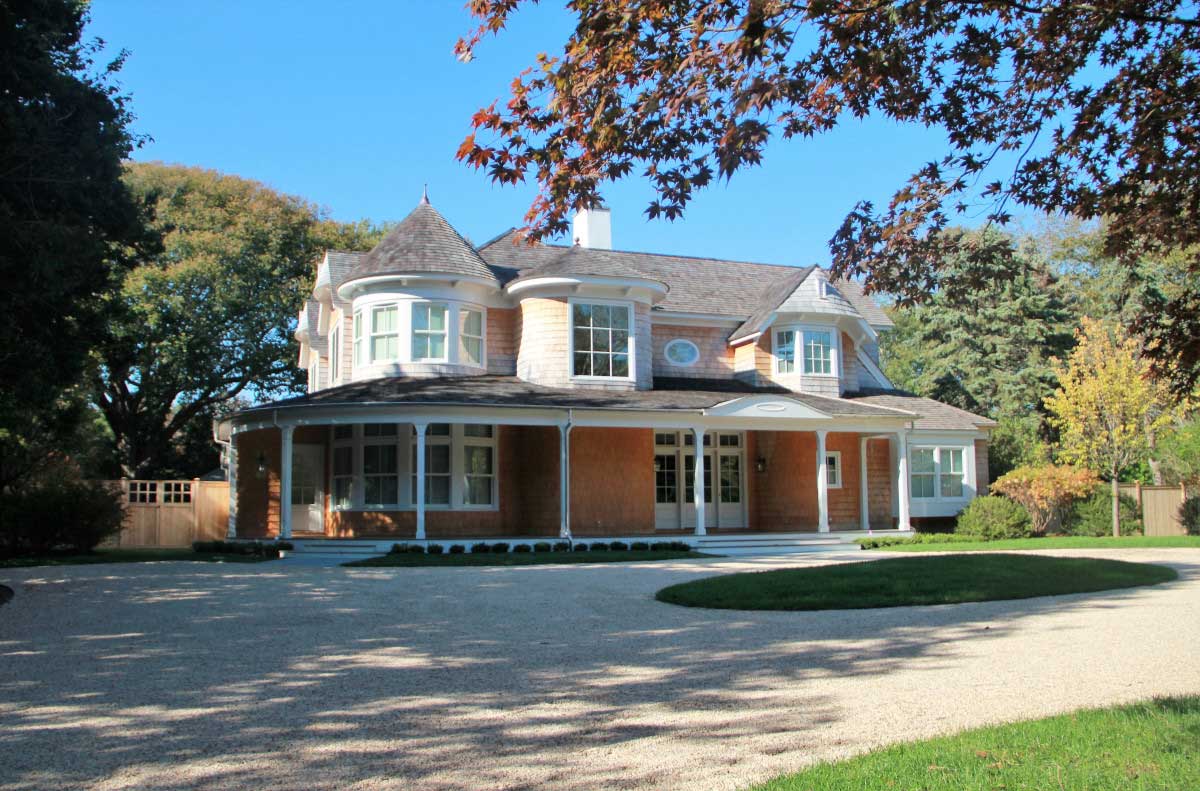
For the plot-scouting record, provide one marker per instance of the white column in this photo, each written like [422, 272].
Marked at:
[564, 481]
[419, 428]
[864, 507]
[822, 485]
[231, 529]
[698, 481]
[902, 473]
[285, 482]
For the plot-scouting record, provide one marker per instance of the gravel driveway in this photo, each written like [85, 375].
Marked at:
[178, 675]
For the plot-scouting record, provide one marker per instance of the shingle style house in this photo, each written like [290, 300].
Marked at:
[516, 390]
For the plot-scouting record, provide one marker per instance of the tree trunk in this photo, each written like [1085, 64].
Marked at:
[1156, 476]
[1116, 505]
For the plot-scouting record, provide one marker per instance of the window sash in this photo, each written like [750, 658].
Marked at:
[818, 352]
[601, 340]
[385, 333]
[359, 348]
[335, 353]
[833, 469]
[429, 331]
[785, 351]
[470, 336]
[937, 473]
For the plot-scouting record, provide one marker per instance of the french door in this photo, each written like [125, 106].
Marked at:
[724, 480]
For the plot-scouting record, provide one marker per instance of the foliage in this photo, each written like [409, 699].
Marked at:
[992, 517]
[1046, 542]
[1046, 491]
[59, 514]
[903, 582]
[1016, 441]
[456, 549]
[480, 548]
[1178, 453]
[1189, 514]
[1107, 405]
[258, 549]
[1092, 515]
[1076, 108]
[879, 542]
[562, 546]
[542, 546]
[985, 338]
[67, 221]
[1149, 745]
[206, 319]
[515, 558]
[436, 549]
[599, 546]
[579, 547]
[499, 547]
[638, 546]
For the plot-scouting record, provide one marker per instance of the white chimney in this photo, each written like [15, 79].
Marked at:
[593, 228]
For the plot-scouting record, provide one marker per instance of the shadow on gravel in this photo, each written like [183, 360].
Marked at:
[330, 677]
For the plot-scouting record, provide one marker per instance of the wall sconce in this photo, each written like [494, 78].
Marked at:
[261, 470]
[761, 464]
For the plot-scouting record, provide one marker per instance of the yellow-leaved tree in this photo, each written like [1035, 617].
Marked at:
[1107, 404]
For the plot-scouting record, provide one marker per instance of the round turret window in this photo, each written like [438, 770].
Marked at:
[682, 352]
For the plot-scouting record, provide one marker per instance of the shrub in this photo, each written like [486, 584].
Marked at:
[1189, 514]
[639, 546]
[681, 546]
[579, 548]
[398, 549]
[416, 549]
[1092, 516]
[522, 548]
[875, 542]
[62, 514]
[599, 546]
[457, 549]
[436, 549]
[1046, 491]
[288, 545]
[478, 549]
[562, 546]
[660, 546]
[541, 546]
[619, 546]
[991, 518]
[500, 548]
[264, 549]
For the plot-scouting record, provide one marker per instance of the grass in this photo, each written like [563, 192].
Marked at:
[899, 582]
[522, 558]
[128, 556]
[1151, 746]
[1048, 542]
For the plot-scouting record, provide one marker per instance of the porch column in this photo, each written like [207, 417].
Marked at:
[698, 481]
[564, 481]
[231, 527]
[419, 428]
[902, 472]
[285, 482]
[822, 484]
[864, 508]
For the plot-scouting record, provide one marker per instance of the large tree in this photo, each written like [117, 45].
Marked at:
[65, 218]
[209, 318]
[1090, 109]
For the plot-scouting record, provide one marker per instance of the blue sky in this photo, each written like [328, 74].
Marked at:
[355, 105]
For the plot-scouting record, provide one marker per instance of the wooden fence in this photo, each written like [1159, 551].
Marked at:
[1159, 506]
[172, 513]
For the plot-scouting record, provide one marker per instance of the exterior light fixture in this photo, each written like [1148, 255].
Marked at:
[761, 464]
[261, 470]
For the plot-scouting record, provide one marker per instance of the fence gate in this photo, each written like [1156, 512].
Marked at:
[1160, 507]
[172, 513]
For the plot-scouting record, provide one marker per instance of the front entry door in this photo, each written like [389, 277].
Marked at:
[724, 481]
[308, 490]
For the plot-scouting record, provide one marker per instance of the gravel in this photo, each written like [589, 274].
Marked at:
[181, 676]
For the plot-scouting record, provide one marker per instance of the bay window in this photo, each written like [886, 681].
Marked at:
[937, 473]
[817, 347]
[418, 331]
[600, 339]
[385, 333]
[785, 351]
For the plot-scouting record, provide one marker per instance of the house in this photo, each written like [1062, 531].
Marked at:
[515, 390]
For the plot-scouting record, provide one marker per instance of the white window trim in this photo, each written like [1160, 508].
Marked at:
[335, 356]
[801, 330]
[836, 455]
[364, 364]
[571, 302]
[937, 473]
[680, 342]
[459, 313]
[405, 442]
[370, 334]
[451, 315]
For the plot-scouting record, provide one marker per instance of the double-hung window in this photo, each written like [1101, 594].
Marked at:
[479, 465]
[360, 349]
[385, 333]
[833, 469]
[343, 466]
[600, 340]
[380, 465]
[785, 351]
[937, 473]
[428, 331]
[437, 465]
[818, 352]
[470, 336]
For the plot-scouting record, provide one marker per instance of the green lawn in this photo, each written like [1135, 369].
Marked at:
[128, 556]
[521, 558]
[898, 582]
[1049, 542]
[1152, 746]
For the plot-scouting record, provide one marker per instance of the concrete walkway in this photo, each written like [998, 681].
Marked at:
[182, 676]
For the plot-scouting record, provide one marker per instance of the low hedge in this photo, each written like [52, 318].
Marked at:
[874, 542]
[261, 549]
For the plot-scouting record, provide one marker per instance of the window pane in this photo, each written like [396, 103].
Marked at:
[438, 430]
[437, 347]
[664, 439]
[437, 490]
[437, 318]
[583, 364]
[420, 316]
[922, 460]
[477, 430]
[730, 440]
[379, 430]
[620, 318]
[583, 340]
[952, 485]
[420, 347]
[620, 365]
[384, 319]
[817, 353]
[601, 365]
[341, 492]
[472, 351]
[600, 340]
[620, 341]
[472, 322]
[343, 461]
[831, 467]
[479, 491]
[666, 487]
[922, 486]
[477, 460]
[383, 348]
[343, 432]
[731, 487]
[438, 459]
[952, 460]
[582, 315]
[601, 316]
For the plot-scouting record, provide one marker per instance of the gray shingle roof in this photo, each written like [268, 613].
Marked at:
[423, 242]
[585, 261]
[934, 415]
[492, 390]
[760, 318]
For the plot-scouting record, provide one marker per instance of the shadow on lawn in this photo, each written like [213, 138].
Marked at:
[253, 677]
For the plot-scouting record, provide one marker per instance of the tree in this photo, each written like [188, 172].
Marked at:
[1106, 405]
[1089, 107]
[1179, 452]
[208, 318]
[66, 218]
[1046, 491]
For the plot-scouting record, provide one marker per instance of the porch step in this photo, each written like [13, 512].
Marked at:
[774, 544]
[347, 547]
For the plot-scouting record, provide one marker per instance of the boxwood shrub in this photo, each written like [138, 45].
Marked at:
[562, 546]
[599, 546]
[992, 518]
[1092, 516]
[500, 548]
[522, 548]
[639, 546]
[579, 548]
[541, 546]
[436, 549]
[618, 546]
[477, 549]
[457, 549]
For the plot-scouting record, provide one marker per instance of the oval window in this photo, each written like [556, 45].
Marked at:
[682, 352]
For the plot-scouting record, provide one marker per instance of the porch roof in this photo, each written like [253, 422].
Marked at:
[492, 390]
